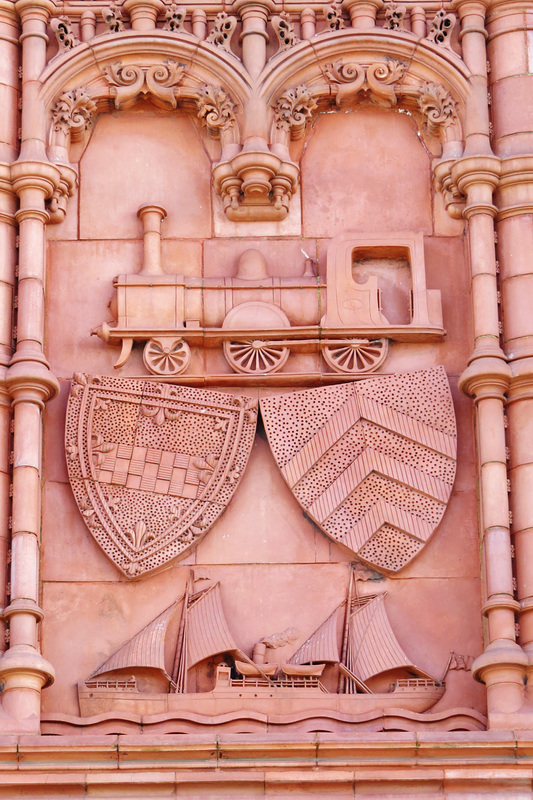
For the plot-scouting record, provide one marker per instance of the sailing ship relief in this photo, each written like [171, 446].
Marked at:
[354, 651]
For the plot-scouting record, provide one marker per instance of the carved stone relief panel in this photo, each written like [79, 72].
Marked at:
[152, 466]
[372, 463]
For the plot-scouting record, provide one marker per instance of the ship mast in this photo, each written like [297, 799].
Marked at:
[342, 678]
[179, 672]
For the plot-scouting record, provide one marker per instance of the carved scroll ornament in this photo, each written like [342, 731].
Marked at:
[152, 466]
[129, 81]
[372, 463]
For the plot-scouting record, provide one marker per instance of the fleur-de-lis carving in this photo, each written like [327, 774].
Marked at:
[99, 448]
[72, 451]
[140, 535]
[206, 466]
[221, 424]
[101, 404]
[89, 514]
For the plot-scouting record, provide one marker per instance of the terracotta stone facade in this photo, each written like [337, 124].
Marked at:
[266, 340]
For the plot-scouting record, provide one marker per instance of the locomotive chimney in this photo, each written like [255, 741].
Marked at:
[151, 217]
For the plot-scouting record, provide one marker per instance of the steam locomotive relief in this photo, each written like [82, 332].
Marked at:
[375, 291]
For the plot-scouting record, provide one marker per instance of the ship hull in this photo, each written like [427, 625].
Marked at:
[277, 702]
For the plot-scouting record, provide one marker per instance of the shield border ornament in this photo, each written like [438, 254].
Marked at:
[213, 473]
[372, 463]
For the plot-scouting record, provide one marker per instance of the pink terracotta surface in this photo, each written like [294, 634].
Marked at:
[375, 205]
[259, 155]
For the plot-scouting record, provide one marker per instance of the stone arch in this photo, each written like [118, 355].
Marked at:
[395, 69]
[174, 71]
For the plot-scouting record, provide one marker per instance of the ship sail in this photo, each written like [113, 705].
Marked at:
[372, 645]
[145, 649]
[207, 632]
[322, 644]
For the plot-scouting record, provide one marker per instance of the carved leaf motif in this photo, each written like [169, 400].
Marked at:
[175, 19]
[216, 108]
[73, 112]
[294, 109]
[285, 32]
[394, 17]
[113, 19]
[64, 34]
[222, 31]
[333, 16]
[437, 105]
[441, 28]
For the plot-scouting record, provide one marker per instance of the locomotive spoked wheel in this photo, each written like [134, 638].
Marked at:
[166, 356]
[357, 357]
[255, 356]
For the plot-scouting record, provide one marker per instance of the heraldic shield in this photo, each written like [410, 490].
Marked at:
[152, 466]
[372, 463]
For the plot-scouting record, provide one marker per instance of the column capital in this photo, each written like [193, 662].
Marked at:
[35, 9]
[487, 376]
[30, 380]
[42, 176]
[470, 7]
[254, 8]
[23, 667]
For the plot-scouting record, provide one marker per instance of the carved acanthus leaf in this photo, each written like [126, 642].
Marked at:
[112, 17]
[333, 16]
[294, 109]
[73, 112]
[64, 34]
[129, 81]
[216, 108]
[394, 17]
[441, 28]
[285, 32]
[437, 105]
[222, 31]
[175, 19]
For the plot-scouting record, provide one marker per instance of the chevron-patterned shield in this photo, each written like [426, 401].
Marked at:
[152, 466]
[372, 462]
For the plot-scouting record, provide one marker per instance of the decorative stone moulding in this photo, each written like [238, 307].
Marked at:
[263, 324]
[372, 463]
[153, 466]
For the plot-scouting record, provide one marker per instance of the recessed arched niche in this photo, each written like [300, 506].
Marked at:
[136, 158]
[367, 170]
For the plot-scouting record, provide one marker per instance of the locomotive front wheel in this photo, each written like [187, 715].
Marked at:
[165, 356]
[358, 357]
[255, 357]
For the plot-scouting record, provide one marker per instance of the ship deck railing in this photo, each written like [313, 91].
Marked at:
[416, 683]
[293, 682]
